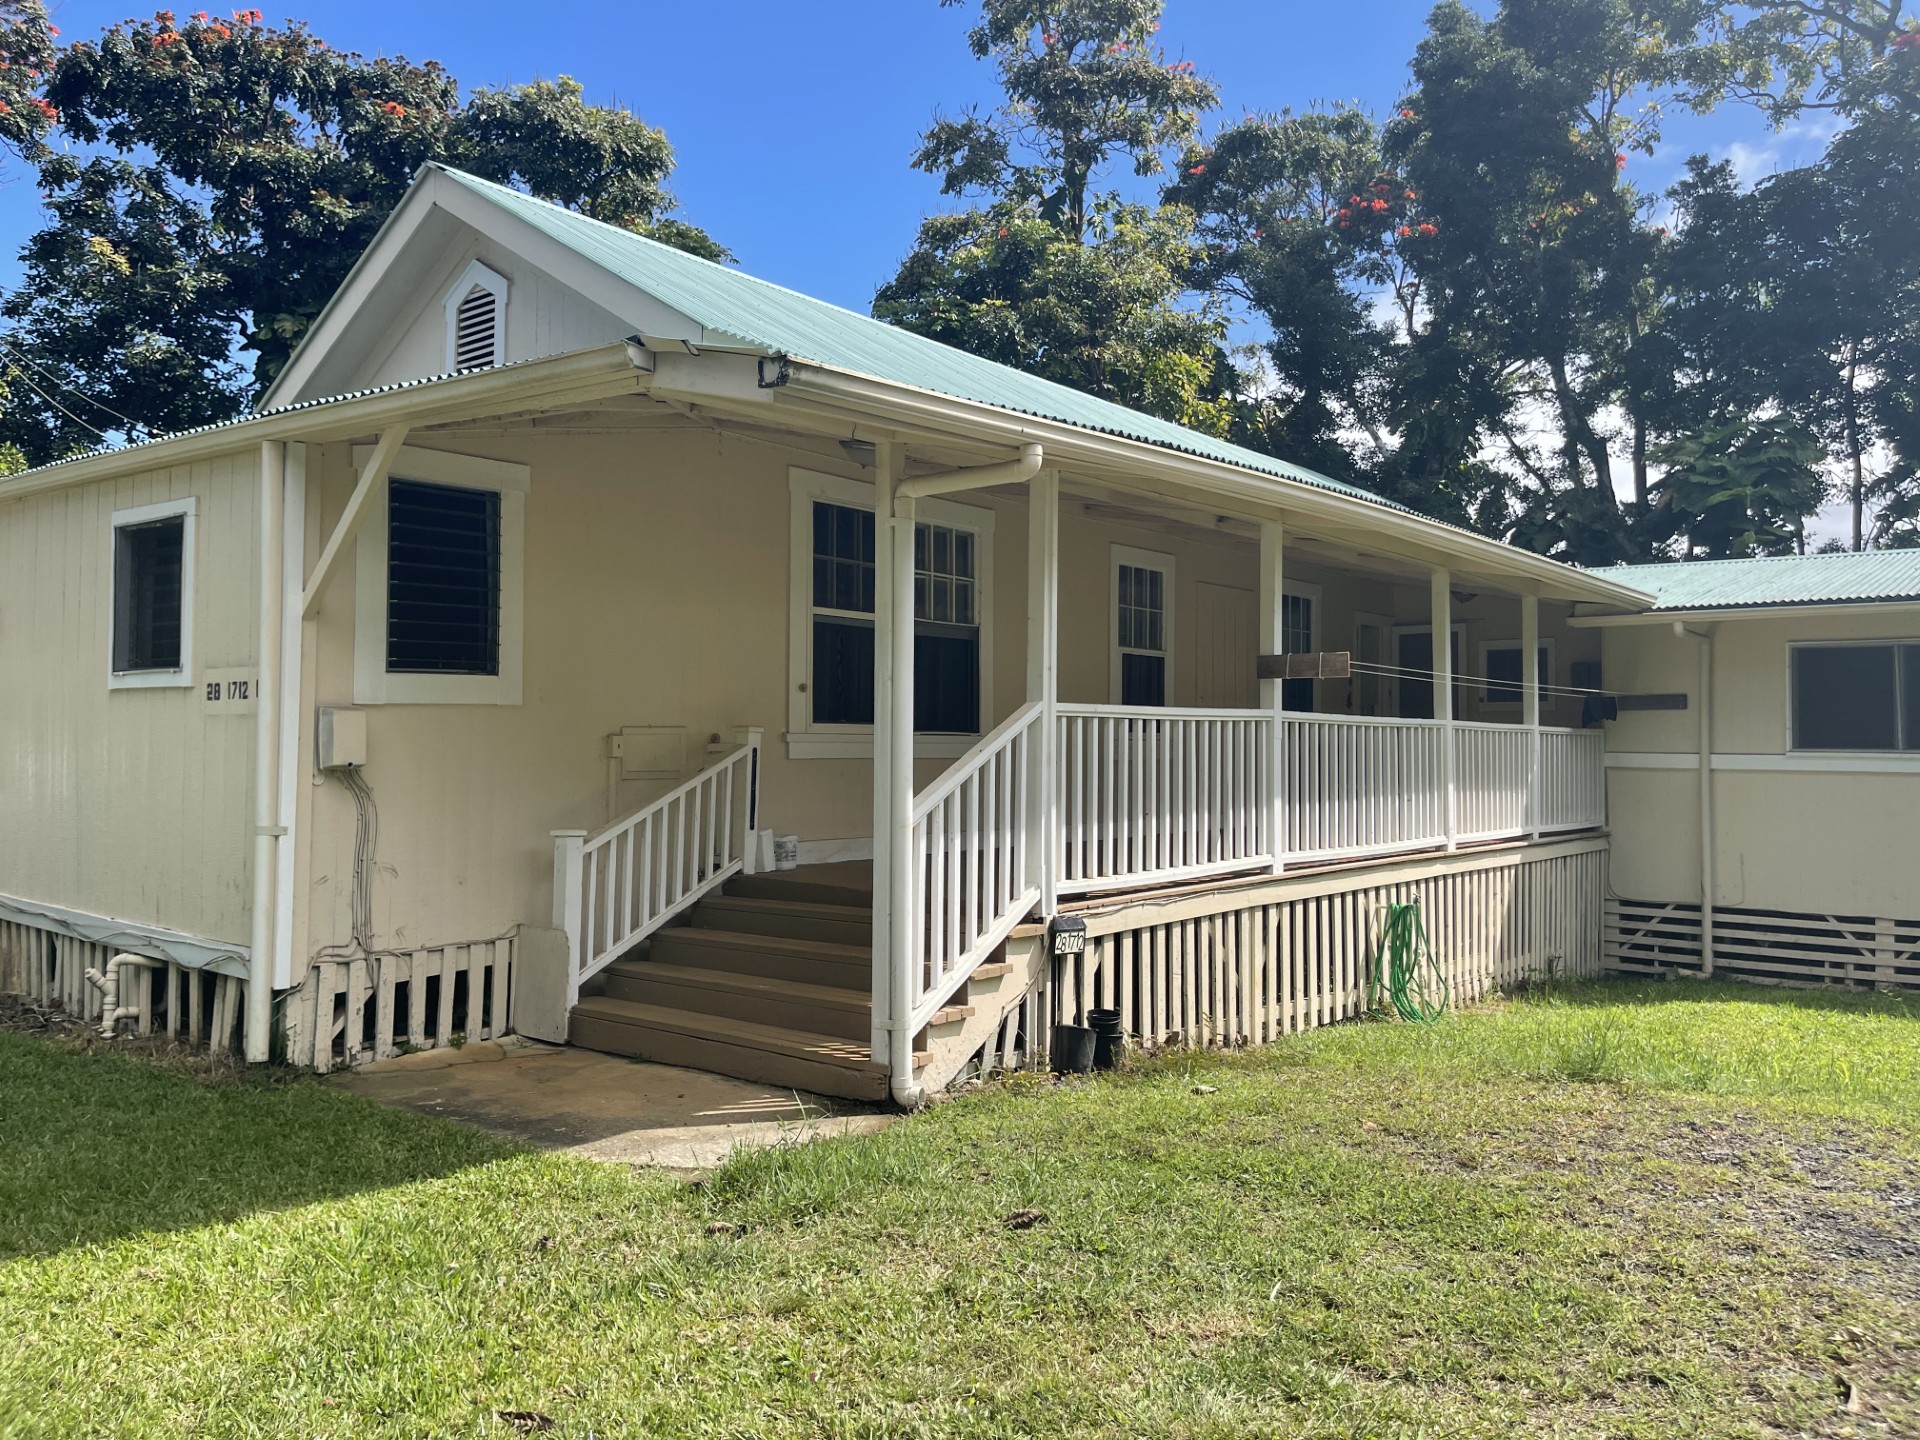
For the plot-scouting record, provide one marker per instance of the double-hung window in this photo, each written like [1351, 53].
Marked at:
[152, 635]
[835, 606]
[1298, 636]
[438, 589]
[1855, 696]
[1142, 626]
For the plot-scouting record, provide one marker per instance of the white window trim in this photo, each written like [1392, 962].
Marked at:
[1487, 647]
[1140, 560]
[372, 685]
[807, 741]
[142, 515]
[495, 284]
[1899, 715]
[1316, 610]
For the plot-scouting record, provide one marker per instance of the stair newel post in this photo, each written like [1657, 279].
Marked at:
[752, 737]
[569, 878]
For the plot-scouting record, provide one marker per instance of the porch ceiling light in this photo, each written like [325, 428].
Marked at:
[861, 452]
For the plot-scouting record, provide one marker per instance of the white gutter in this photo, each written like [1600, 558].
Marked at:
[1705, 637]
[973, 477]
[1799, 609]
[1266, 496]
[267, 832]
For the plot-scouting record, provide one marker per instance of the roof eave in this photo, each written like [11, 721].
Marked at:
[1784, 609]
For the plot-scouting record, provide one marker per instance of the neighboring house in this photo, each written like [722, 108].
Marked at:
[1798, 761]
[462, 688]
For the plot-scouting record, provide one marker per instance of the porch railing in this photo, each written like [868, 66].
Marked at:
[1150, 796]
[975, 873]
[1362, 786]
[1493, 780]
[614, 887]
[1573, 779]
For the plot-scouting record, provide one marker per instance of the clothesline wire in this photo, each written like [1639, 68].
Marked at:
[1375, 669]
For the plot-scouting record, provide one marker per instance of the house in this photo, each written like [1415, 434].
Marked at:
[466, 686]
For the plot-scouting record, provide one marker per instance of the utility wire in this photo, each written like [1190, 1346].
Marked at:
[133, 426]
[98, 434]
[1371, 668]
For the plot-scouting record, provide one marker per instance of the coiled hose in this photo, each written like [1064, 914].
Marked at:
[1404, 972]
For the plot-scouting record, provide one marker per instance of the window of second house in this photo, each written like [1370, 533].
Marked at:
[152, 638]
[1142, 626]
[1856, 697]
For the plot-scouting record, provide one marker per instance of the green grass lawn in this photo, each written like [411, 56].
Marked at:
[1623, 1210]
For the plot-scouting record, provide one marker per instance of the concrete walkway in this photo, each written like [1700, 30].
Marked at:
[603, 1106]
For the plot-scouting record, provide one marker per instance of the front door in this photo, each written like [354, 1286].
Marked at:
[1226, 647]
[1413, 659]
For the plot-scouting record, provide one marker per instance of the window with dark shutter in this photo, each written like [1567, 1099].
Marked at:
[1856, 697]
[443, 579]
[148, 595]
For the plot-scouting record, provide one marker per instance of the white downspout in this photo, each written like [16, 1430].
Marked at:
[1705, 637]
[266, 751]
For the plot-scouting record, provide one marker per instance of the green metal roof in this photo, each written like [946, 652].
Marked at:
[785, 322]
[1872, 575]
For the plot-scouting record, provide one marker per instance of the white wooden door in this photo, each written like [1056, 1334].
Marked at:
[1227, 646]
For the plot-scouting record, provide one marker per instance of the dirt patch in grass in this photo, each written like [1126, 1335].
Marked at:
[20, 1016]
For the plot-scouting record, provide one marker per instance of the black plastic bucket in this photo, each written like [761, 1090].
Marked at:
[1072, 1049]
[1109, 1040]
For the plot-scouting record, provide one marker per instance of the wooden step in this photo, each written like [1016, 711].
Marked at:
[809, 885]
[795, 919]
[824, 1064]
[810, 962]
[760, 999]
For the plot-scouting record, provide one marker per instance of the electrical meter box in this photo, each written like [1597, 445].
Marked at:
[341, 737]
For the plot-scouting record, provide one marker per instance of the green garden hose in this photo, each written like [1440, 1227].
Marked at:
[1404, 970]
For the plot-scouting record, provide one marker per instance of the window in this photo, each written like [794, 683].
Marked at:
[1500, 663]
[1413, 659]
[1855, 697]
[443, 580]
[438, 582]
[1142, 626]
[835, 597]
[152, 635]
[1297, 638]
[476, 319]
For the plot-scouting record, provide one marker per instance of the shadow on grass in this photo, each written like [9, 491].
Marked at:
[95, 1148]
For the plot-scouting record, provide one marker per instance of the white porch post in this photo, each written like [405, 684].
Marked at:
[886, 475]
[1043, 682]
[1530, 702]
[1442, 606]
[1273, 629]
[903, 915]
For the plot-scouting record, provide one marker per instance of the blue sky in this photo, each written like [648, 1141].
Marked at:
[793, 121]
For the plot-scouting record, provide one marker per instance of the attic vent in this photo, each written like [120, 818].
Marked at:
[476, 318]
[475, 336]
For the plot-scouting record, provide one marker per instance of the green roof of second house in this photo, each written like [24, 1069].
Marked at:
[785, 322]
[1834, 579]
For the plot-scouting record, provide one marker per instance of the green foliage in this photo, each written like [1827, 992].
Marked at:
[1051, 277]
[1102, 316]
[1742, 488]
[1085, 81]
[223, 178]
[27, 47]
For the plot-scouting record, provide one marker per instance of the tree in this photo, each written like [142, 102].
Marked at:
[1273, 194]
[228, 175]
[1051, 275]
[28, 44]
[1741, 488]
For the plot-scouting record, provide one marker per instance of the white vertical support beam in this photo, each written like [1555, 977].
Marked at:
[1707, 896]
[1043, 682]
[1273, 623]
[1530, 702]
[905, 914]
[569, 874]
[266, 751]
[292, 706]
[1442, 617]
[886, 475]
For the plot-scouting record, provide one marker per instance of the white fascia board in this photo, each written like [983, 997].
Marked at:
[1261, 496]
[1749, 612]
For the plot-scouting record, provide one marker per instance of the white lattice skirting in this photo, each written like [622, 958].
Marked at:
[190, 1003]
[348, 1012]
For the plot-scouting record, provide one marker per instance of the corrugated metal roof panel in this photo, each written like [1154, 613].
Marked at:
[788, 323]
[1775, 580]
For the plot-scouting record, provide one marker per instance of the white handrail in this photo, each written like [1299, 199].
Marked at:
[617, 886]
[975, 873]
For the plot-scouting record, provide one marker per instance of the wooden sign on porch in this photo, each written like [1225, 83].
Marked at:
[1308, 665]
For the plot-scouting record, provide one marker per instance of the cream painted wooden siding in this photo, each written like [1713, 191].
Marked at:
[131, 804]
[1812, 840]
[656, 595]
